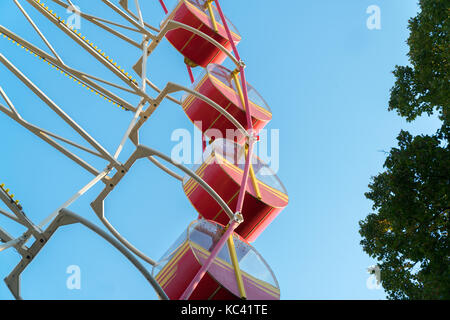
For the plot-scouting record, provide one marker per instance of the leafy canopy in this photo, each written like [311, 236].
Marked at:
[408, 234]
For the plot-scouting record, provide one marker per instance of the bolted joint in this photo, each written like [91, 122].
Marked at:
[242, 64]
[238, 217]
[235, 72]
[122, 170]
[252, 137]
[190, 63]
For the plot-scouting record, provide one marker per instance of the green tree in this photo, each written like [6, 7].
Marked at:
[408, 233]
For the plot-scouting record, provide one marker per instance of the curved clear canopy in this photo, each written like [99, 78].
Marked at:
[206, 234]
[169, 254]
[227, 151]
[194, 85]
[201, 5]
[225, 76]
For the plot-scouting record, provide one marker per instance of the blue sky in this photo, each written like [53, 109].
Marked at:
[326, 78]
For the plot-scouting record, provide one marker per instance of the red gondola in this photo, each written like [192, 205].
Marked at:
[217, 84]
[222, 169]
[196, 49]
[180, 264]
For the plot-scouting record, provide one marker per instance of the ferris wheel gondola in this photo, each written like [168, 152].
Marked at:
[181, 262]
[221, 86]
[203, 16]
[235, 193]
[222, 169]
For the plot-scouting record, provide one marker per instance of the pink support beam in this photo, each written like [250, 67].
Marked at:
[201, 273]
[203, 142]
[163, 5]
[191, 75]
[248, 111]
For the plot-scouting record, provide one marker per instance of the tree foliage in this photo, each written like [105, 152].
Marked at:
[422, 87]
[408, 234]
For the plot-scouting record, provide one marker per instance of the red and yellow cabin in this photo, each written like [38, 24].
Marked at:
[222, 169]
[217, 84]
[184, 259]
[196, 49]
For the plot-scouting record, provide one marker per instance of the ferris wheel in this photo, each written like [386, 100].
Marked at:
[235, 195]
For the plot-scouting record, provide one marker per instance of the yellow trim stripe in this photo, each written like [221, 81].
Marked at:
[220, 115]
[192, 191]
[229, 201]
[218, 52]
[169, 278]
[186, 104]
[170, 270]
[193, 187]
[192, 37]
[203, 13]
[268, 288]
[199, 171]
[162, 274]
[189, 40]
[171, 273]
[278, 193]
[259, 222]
[268, 188]
[191, 181]
[215, 292]
[267, 112]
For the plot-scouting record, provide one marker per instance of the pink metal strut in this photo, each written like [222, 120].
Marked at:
[240, 202]
[201, 273]
[191, 75]
[163, 5]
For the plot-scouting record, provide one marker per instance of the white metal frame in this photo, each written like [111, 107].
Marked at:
[151, 38]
